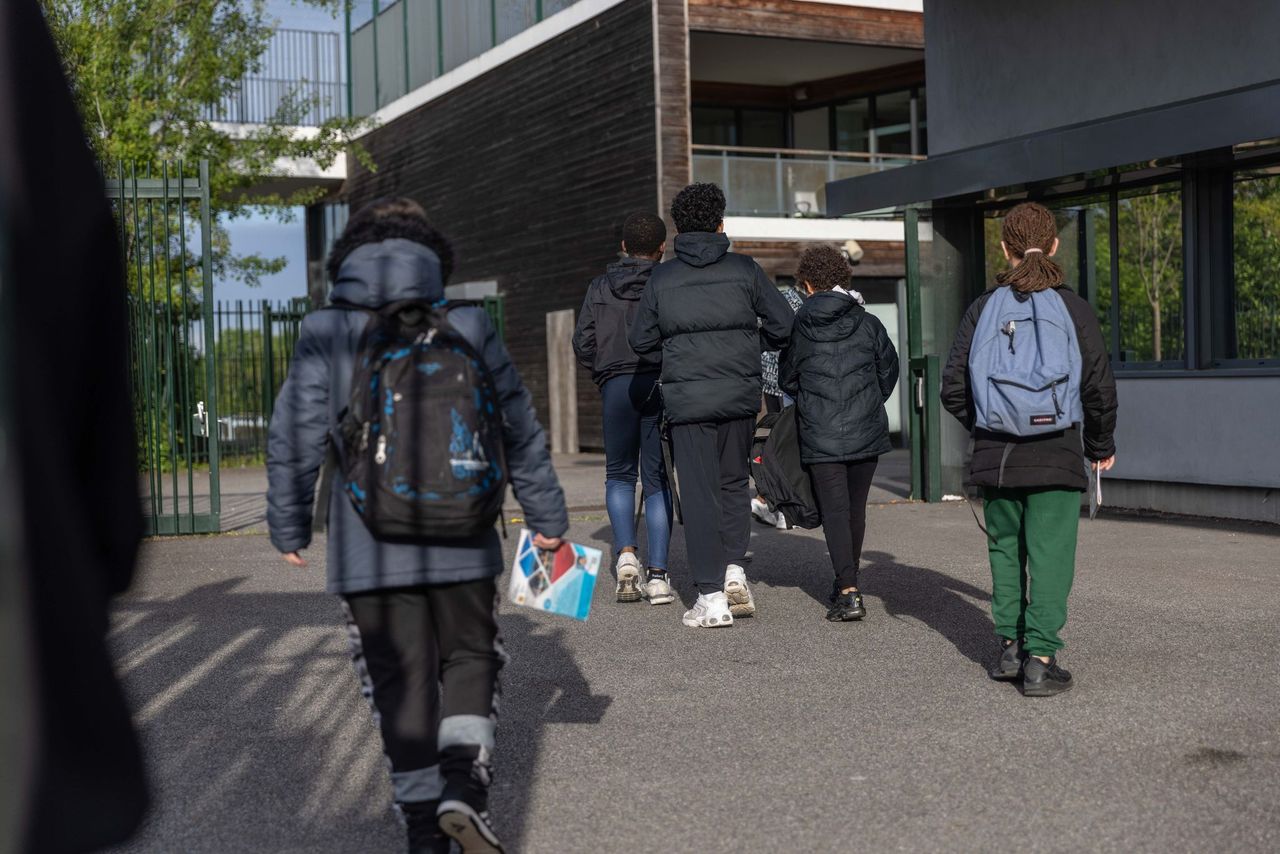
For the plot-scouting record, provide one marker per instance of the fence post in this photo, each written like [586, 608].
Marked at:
[268, 361]
[777, 180]
[562, 382]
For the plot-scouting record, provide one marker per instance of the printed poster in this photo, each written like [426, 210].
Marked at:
[561, 582]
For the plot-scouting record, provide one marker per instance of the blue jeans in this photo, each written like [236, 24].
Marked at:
[633, 444]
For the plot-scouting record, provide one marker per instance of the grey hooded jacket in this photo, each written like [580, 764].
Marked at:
[315, 393]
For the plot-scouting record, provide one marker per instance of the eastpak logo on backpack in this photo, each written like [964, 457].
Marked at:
[1025, 365]
[420, 443]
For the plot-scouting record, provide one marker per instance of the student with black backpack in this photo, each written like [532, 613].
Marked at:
[427, 421]
[1029, 374]
[841, 367]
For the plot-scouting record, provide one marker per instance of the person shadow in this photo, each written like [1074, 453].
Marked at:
[955, 609]
[542, 685]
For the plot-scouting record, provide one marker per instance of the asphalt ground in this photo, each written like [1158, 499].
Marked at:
[631, 733]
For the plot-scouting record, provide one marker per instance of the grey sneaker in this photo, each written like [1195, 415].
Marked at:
[658, 589]
[741, 602]
[628, 571]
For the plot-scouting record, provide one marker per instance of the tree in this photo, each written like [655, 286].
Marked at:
[144, 74]
[1151, 257]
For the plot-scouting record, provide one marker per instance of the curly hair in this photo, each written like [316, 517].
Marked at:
[824, 267]
[698, 207]
[1028, 232]
[643, 233]
[385, 219]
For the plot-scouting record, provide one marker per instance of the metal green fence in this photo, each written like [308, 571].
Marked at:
[164, 218]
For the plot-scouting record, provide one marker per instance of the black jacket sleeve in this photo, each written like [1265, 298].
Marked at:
[776, 316]
[645, 336]
[789, 368]
[584, 334]
[886, 359]
[1097, 382]
[956, 396]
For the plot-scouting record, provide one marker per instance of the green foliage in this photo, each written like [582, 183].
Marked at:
[1257, 269]
[1150, 232]
[144, 73]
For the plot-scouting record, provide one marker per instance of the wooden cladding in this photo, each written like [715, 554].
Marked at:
[816, 21]
[881, 258]
[673, 99]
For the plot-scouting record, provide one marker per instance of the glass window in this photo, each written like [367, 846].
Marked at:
[811, 129]
[714, 126]
[893, 123]
[1150, 306]
[853, 126]
[1253, 315]
[764, 128]
[515, 16]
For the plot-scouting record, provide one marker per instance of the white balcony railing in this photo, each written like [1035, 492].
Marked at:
[783, 181]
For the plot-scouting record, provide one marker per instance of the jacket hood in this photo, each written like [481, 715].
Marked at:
[829, 316]
[701, 248]
[379, 273]
[627, 277]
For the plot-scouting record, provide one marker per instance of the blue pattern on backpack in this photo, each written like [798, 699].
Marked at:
[1025, 365]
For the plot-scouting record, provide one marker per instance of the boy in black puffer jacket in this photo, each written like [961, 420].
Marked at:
[841, 367]
[711, 312]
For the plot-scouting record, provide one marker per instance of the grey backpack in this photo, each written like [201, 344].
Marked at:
[1025, 365]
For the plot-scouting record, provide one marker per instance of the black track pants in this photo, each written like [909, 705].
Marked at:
[841, 490]
[712, 461]
[428, 659]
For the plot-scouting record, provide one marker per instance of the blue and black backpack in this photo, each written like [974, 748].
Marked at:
[1025, 365]
[420, 450]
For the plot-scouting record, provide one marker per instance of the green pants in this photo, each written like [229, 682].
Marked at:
[1033, 562]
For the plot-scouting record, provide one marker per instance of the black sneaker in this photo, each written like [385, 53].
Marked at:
[846, 607]
[423, 828]
[1009, 665]
[1044, 680]
[470, 828]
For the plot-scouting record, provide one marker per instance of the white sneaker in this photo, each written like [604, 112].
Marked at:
[711, 610]
[782, 523]
[658, 590]
[761, 511]
[628, 571]
[741, 602]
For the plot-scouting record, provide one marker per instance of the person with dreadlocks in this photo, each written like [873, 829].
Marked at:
[1029, 375]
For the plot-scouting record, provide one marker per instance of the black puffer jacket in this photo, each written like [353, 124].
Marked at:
[1054, 460]
[712, 313]
[841, 367]
[600, 339]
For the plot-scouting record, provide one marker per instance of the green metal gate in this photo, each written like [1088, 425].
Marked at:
[166, 236]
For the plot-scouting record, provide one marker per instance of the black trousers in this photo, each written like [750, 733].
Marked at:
[712, 461]
[841, 490]
[428, 659]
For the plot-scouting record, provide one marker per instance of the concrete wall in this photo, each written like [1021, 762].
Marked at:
[1000, 68]
[1200, 430]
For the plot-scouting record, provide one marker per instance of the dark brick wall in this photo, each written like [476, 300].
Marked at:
[530, 169]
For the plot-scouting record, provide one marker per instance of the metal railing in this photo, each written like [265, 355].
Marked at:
[300, 83]
[783, 181]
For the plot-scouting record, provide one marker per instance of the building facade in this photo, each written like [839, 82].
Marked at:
[530, 129]
[1153, 131]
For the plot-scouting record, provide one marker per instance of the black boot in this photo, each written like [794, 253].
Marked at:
[846, 607]
[1009, 665]
[463, 814]
[1044, 680]
[423, 827]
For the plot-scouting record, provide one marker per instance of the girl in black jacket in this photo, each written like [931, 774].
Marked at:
[1031, 485]
[841, 368]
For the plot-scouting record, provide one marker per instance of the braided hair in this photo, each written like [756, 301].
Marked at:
[1028, 232]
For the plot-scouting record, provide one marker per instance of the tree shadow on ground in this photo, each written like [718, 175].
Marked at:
[257, 738]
